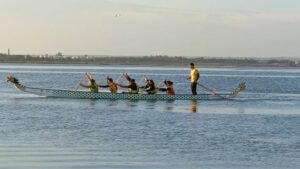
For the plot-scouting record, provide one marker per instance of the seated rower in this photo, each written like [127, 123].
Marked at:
[169, 89]
[15, 81]
[132, 86]
[92, 86]
[89, 77]
[111, 85]
[150, 86]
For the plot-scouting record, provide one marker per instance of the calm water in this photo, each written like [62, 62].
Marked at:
[261, 129]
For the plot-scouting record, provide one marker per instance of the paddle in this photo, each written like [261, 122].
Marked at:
[140, 81]
[77, 87]
[212, 91]
[118, 79]
[89, 75]
[241, 87]
[161, 82]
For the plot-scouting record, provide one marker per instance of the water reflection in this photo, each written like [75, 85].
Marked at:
[132, 103]
[112, 102]
[193, 106]
[92, 102]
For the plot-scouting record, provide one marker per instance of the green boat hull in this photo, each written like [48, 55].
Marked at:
[114, 96]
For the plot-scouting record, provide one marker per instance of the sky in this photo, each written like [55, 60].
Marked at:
[217, 28]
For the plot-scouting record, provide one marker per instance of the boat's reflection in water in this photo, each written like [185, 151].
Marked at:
[179, 106]
[190, 106]
[157, 105]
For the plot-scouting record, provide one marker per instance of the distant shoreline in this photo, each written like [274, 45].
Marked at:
[148, 61]
[151, 65]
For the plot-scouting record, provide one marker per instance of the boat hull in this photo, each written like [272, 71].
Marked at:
[114, 96]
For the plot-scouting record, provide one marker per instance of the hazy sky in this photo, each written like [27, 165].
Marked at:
[246, 28]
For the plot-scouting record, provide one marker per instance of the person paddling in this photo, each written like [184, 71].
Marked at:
[169, 89]
[92, 86]
[132, 86]
[111, 85]
[150, 86]
[194, 77]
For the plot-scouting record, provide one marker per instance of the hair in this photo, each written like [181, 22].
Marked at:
[110, 79]
[150, 81]
[168, 82]
[93, 80]
[132, 80]
[192, 64]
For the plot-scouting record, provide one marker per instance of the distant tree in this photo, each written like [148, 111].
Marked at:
[59, 54]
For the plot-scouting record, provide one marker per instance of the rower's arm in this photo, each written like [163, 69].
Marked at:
[146, 78]
[88, 76]
[104, 86]
[198, 76]
[162, 89]
[83, 85]
[123, 86]
[126, 77]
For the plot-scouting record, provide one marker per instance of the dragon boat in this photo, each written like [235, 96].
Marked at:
[57, 93]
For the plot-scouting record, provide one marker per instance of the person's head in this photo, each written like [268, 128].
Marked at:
[92, 81]
[110, 80]
[149, 81]
[192, 65]
[169, 83]
[132, 81]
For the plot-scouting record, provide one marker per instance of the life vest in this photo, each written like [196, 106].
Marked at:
[94, 88]
[151, 89]
[170, 90]
[112, 87]
[133, 88]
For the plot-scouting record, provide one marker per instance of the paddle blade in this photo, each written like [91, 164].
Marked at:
[90, 76]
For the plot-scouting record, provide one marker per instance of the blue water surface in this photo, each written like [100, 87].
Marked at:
[259, 129]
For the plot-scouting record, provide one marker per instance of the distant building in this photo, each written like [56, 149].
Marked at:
[8, 52]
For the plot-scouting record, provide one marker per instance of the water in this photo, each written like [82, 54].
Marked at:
[260, 129]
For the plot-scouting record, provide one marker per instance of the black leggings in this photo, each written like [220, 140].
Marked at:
[194, 88]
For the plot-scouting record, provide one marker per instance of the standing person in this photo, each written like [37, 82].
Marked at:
[194, 77]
